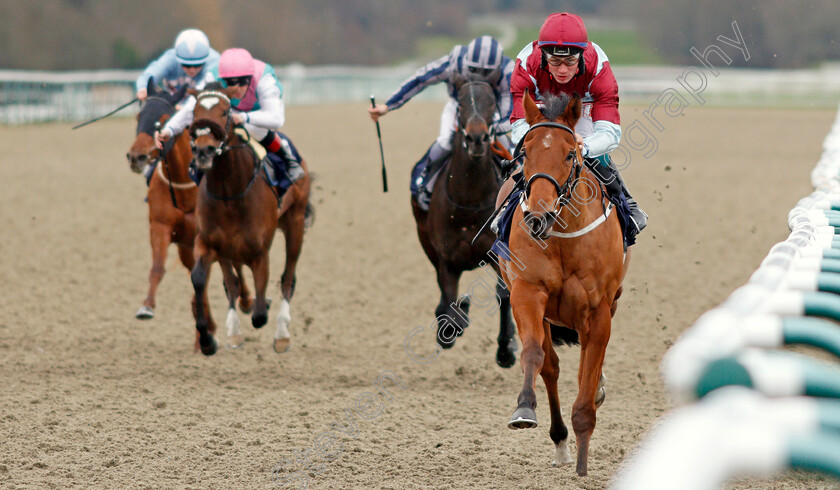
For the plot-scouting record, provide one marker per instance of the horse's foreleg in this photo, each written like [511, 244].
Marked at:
[200, 275]
[259, 267]
[593, 347]
[246, 302]
[234, 335]
[159, 237]
[452, 312]
[506, 352]
[528, 303]
[550, 372]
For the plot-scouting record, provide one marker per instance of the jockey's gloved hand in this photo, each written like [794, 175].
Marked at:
[508, 166]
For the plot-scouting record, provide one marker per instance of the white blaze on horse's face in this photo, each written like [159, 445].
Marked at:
[209, 102]
[547, 140]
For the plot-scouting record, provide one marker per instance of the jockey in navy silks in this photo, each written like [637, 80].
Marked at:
[479, 58]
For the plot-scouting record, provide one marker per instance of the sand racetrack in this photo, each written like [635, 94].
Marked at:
[92, 398]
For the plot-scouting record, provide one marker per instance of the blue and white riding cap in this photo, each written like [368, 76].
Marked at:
[192, 47]
[483, 52]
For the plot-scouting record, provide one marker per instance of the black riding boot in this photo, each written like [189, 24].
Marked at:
[424, 183]
[611, 178]
[282, 147]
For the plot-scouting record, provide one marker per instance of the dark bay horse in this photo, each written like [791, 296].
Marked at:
[172, 194]
[462, 200]
[238, 214]
[570, 267]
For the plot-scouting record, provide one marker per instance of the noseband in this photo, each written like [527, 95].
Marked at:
[208, 125]
[490, 127]
[564, 192]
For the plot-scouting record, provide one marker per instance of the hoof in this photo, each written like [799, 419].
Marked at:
[561, 454]
[601, 394]
[234, 341]
[505, 358]
[258, 321]
[523, 418]
[282, 345]
[145, 313]
[209, 346]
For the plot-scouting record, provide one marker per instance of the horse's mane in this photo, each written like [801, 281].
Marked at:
[554, 106]
[216, 85]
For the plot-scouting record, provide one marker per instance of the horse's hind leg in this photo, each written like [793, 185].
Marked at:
[593, 347]
[506, 353]
[529, 309]
[452, 312]
[550, 372]
[234, 334]
[200, 275]
[292, 225]
[159, 237]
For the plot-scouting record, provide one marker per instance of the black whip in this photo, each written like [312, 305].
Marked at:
[381, 152]
[106, 115]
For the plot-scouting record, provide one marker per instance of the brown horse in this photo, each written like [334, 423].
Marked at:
[172, 194]
[238, 214]
[567, 272]
[463, 199]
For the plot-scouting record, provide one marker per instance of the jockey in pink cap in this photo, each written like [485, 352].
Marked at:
[257, 106]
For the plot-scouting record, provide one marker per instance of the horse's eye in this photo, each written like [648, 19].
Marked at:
[571, 155]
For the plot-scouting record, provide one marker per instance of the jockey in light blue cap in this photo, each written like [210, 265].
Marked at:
[188, 63]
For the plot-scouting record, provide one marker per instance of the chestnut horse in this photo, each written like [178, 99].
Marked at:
[570, 267]
[463, 198]
[238, 214]
[171, 195]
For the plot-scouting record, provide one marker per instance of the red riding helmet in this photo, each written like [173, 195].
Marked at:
[563, 34]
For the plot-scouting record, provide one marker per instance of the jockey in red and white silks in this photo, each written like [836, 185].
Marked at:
[563, 61]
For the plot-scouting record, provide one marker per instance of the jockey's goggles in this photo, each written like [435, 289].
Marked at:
[570, 60]
[192, 66]
[237, 81]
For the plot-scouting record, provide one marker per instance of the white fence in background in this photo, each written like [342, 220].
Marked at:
[38, 96]
[747, 406]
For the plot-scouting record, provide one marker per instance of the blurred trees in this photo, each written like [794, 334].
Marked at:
[92, 34]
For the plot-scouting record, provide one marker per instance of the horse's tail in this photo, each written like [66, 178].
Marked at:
[309, 216]
[561, 335]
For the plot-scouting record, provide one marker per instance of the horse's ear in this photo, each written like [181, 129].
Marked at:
[495, 76]
[573, 110]
[230, 91]
[458, 79]
[532, 112]
[193, 92]
[179, 95]
[150, 87]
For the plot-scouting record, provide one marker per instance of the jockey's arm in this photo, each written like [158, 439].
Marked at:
[159, 69]
[179, 121]
[604, 139]
[432, 73]
[272, 112]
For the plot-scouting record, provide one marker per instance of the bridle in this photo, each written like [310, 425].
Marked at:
[227, 134]
[208, 125]
[564, 192]
[490, 127]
